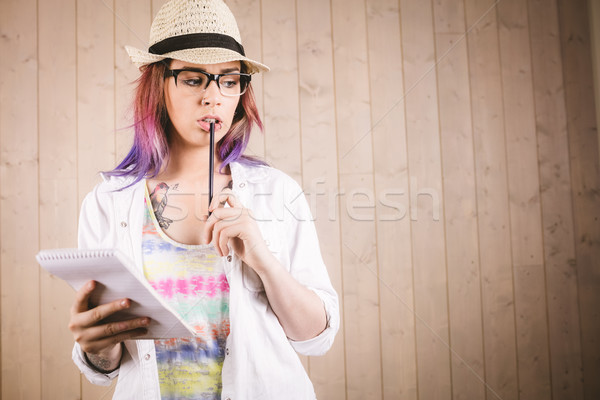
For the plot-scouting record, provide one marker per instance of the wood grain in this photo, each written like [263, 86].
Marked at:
[426, 194]
[359, 257]
[19, 213]
[492, 201]
[594, 20]
[132, 27]
[460, 202]
[281, 102]
[390, 160]
[557, 206]
[320, 170]
[524, 201]
[58, 202]
[95, 111]
[585, 180]
[248, 16]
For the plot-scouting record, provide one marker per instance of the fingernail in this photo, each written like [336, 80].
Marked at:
[145, 321]
[124, 303]
[91, 285]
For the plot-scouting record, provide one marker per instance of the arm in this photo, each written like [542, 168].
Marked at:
[300, 310]
[301, 295]
[97, 351]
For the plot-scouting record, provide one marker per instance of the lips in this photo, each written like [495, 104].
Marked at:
[204, 122]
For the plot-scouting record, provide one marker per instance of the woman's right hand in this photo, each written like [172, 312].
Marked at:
[101, 341]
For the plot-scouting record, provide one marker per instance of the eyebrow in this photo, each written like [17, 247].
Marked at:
[223, 71]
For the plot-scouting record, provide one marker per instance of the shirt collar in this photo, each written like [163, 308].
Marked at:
[247, 173]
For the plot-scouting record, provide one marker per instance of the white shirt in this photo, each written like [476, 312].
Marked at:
[260, 361]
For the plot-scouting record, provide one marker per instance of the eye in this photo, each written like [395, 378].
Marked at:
[192, 79]
[193, 82]
[229, 81]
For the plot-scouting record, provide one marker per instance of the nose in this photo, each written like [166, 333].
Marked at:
[212, 94]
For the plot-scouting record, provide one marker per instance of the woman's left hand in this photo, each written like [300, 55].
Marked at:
[299, 310]
[235, 226]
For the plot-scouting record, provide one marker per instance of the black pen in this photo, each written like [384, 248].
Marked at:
[211, 163]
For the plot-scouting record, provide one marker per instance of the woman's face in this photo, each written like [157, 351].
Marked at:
[190, 108]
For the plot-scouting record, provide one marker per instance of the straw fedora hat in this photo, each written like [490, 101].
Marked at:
[196, 31]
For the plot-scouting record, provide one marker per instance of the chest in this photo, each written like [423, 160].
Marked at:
[181, 208]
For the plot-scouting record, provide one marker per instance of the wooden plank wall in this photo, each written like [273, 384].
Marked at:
[594, 19]
[448, 150]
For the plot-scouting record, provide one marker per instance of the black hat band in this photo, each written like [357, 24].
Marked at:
[196, 40]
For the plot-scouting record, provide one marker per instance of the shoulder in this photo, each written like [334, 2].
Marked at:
[112, 184]
[265, 177]
[110, 188]
[270, 191]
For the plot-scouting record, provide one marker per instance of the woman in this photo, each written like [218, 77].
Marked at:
[244, 270]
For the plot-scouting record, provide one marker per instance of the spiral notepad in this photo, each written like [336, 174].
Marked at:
[115, 279]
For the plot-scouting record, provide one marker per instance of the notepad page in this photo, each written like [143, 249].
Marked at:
[115, 280]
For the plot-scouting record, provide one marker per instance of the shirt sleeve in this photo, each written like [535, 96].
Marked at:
[307, 267]
[93, 233]
[95, 377]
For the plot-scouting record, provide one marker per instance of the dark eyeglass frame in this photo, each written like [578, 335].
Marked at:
[244, 78]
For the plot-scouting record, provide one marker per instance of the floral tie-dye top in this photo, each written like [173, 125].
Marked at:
[192, 280]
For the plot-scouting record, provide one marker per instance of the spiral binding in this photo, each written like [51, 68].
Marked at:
[75, 254]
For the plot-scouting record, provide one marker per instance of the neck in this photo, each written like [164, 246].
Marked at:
[189, 163]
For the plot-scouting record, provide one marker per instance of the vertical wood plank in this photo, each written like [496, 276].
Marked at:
[460, 202]
[524, 201]
[320, 169]
[132, 27]
[449, 16]
[424, 165]
[557, 215]
[58, 188]
[95, 110]
[492, 201]
[281, 103]
[282, 125]
[360, 283]
[594, 20]
[248, 16]
[95, 91]
[399, 369]
[585, 180]
[19, 217]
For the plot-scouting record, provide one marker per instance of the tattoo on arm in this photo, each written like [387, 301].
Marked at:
[159, 198]
[100, 364]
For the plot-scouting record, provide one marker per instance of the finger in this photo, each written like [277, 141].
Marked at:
[233, 201]
[97, 314]
[219, 214]
[219, 199]
[82, 298]
[216, 236]
[223, 231]
[226, 196]
[99, 345]
[227, 214]
[100, 332]
[207, 231]
[224, 236]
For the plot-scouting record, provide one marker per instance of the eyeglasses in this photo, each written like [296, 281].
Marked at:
[196, 81]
